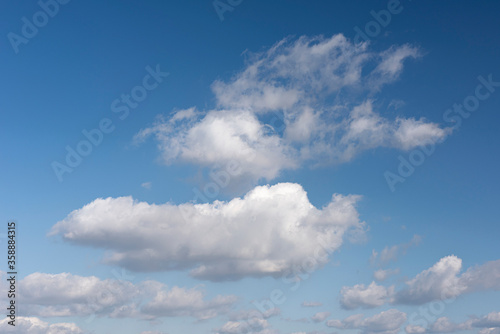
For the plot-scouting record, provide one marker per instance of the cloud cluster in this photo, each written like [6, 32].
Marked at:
[266, 233]
[442, 281]
[304, 101]
[76, 295]
[386, 322]
[488, 324]
[257, 326]
[83, 296]
[249, 321]
[32, 325]
[369, 296]
[179, 302]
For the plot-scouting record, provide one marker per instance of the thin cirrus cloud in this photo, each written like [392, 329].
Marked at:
[265, 233]
[392, 253]
[383, 274]
[304, 101]
[442, 281]
[84, 296]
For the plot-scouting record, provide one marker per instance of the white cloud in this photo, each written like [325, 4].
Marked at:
[488, 324]
[292, 71]
[489, 321]
[413, 329]
[266, 233]
[311, 304]
[391, 64]
[76, 295]
[387, 322]
[382, 275]
[410, 133]
[394, 252]
[32, 325]
[82, 296]
[186, 302]
[249, 321]
[396, 104]
[302, 102]
[231, 327]
[256, 326]
[444, 325]
[223, 137]
[495, 330]
[351, 322]
[320, 316]
[369, 296]
[440, 282]
[484, 277]
[146, 185]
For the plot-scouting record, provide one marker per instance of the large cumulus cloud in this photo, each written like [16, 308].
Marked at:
[265, 233]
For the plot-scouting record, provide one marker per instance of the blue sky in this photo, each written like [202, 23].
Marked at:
[258, 138]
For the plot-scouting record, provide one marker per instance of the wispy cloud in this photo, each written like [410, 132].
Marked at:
[392, 253]
[304, 101]
[146, 185]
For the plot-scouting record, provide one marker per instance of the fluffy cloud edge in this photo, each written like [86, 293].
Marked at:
[306, 127]
[81, 296]
[255, 235]
[443, 281]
